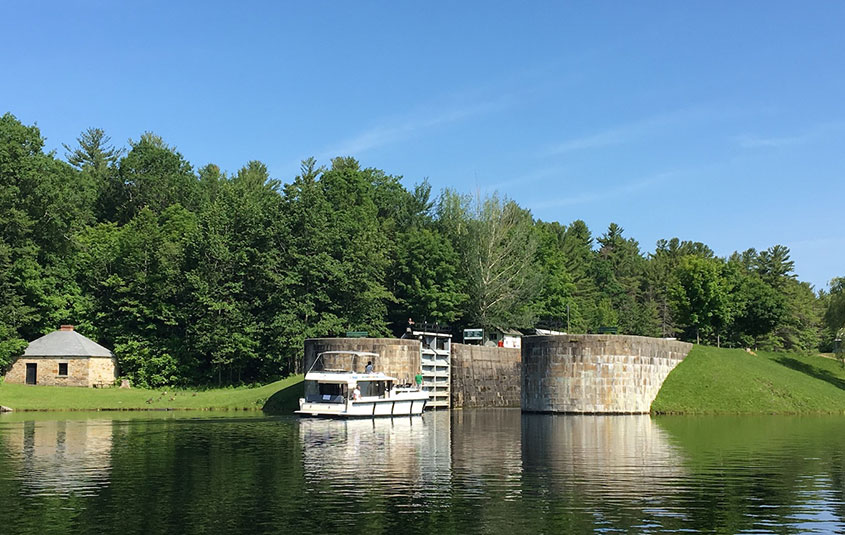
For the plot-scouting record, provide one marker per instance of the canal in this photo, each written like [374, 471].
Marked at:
[471, 471]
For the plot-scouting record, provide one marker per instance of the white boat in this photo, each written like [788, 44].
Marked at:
[343, 393]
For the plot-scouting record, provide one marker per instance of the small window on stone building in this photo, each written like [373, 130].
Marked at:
[63, 368]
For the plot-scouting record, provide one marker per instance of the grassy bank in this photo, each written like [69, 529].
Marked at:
[731, 381]
[23, 397]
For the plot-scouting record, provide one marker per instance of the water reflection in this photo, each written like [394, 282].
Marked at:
[762, 473]
[472, 471]
[486, 453]
[405, 459]
[61, 457]
[609, 472]
[608, 456]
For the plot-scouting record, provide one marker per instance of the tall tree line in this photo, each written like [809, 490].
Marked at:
[196, 276]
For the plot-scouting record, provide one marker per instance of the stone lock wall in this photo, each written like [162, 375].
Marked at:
[485, 376]
[82, 371]
[590, 374]
[595, 373]
[398, 357]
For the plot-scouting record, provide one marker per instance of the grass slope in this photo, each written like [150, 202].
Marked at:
[731, 381]
[23, 397]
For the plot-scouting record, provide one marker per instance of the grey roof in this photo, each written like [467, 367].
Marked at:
[65, 344]
[509, 332]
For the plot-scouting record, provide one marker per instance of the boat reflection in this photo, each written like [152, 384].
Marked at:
[359, 455]
[502, 451]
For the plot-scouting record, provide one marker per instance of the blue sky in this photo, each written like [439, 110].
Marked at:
[720, 122]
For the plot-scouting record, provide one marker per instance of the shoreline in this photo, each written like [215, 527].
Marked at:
[137, 409]
[708, 382]
[29, 398]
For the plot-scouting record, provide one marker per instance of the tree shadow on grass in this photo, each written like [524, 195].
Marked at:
[286, 400]
[812, 371]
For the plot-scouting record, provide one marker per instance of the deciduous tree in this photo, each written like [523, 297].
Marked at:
[701, 295]
[502, 276]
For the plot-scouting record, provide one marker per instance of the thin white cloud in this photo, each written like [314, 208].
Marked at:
[753, 142]
[397, 130]
[809, 135]
[628, 132]
[598, 195]
[528, 178]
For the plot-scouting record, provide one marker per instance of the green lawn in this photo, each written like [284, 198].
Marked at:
[731, 381]
[23, 397]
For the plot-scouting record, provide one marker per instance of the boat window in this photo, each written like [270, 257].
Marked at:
[329, 389]
[325, 392]
[372, 388]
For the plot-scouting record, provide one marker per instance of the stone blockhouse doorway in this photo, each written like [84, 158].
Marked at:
[31, 373]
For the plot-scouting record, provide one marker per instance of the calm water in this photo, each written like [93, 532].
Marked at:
[482, 471]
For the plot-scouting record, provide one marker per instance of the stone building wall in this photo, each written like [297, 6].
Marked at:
[47, 371]
[82, 371]
[595, 373]
[485, 376]
[398, 357]
[102, 371]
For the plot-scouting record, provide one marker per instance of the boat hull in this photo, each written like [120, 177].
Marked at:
[366, 408]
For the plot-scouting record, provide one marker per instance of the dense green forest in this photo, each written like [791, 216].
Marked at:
[195, 276]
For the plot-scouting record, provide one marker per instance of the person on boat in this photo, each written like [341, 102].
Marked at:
[356, 394]
[418, 380]
[369, 368]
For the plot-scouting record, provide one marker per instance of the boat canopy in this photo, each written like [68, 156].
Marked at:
[346, 378]
[344, 352]
[339, 352]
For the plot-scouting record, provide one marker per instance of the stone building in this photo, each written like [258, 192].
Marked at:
[64, 358]
[510, 338]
